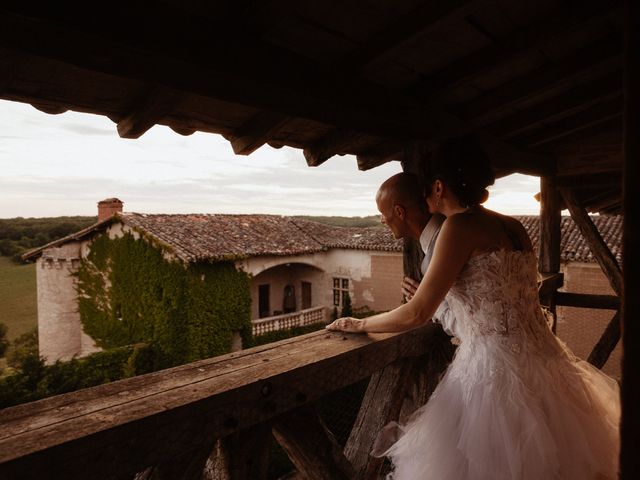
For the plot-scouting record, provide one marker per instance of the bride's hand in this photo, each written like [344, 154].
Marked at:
[347, 324]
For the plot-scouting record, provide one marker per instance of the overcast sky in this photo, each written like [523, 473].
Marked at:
[64, 164]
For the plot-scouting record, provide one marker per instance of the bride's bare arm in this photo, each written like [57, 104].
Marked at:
[451, 252]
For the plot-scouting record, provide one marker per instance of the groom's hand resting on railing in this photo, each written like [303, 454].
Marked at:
[347, 324]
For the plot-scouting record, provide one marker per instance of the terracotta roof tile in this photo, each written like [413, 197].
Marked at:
[226, 236]
[573, 246]
[223, 236]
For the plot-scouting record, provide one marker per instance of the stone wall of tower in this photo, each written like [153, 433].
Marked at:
[60, 334]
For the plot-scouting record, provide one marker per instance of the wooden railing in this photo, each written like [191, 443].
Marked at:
[301, 318]
[170, 424]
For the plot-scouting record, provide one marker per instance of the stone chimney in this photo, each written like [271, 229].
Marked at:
[107, 207]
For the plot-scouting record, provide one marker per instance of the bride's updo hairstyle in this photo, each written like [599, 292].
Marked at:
[463, 166]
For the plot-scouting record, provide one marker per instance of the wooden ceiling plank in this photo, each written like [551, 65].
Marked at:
[568, 73]
[595, 115]
[507, 158]
[553, 26]
[320, 95]
[574, 101]
[150, 108]
[404, 29]
[256, 132]
[605, 179]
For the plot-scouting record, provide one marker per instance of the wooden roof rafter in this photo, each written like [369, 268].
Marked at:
[521, 41]
[602, 54]
[578, 99]
[268, 91]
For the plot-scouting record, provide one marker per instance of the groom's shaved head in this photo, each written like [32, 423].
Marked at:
[402, 189]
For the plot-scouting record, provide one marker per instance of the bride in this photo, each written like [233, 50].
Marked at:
[515, 403]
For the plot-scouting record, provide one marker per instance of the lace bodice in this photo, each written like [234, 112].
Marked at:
[495, 298]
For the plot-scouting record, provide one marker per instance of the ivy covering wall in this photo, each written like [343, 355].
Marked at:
[129, 293]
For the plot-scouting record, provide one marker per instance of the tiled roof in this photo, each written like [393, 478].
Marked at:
[222, 236]
[359, 238]
[226, 236]
[573, 246]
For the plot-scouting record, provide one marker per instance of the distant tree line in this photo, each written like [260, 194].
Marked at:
[17, 235]
[369, 221]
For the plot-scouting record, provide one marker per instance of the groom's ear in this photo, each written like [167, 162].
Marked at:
[399, 211]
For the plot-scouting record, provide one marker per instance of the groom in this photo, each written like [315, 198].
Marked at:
[403, 209]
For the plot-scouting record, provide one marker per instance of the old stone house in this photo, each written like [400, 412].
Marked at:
[297, 270]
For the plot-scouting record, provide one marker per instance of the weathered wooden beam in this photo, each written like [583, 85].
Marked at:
[550, 217]
[549, 284]
[547, 292]
[50, 108]
[298, 89]
[512, 159]
[393, 394]
[338, 141]
[247, 452]
[403, 29]
[121, 428]
[381, 404]
[593, 238]
[585, 300]
[367, 162]
[552, 27]
[311, 447]
[595, 180]
[150, 108]
[256, 132]
[550, 236]
[607, 342]
[187, 466]
[590, 117]
[183, 131]
[414, 160]
[577, 68]
[630, 392]
[568, 103]
[380, 154]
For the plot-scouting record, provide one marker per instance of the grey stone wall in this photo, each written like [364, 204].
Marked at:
[60, 334]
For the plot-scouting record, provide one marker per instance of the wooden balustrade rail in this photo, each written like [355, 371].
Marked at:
[115, 430]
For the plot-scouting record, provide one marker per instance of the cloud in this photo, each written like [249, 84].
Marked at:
[81, 129]
[64, 164]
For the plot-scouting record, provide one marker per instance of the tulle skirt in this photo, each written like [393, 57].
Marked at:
[502, 414]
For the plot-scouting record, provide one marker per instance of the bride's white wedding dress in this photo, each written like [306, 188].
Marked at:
[515, 403]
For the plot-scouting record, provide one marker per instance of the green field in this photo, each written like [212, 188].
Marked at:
[18, 300]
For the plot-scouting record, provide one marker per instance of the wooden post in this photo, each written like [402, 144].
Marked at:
[413, 162]
[393, 394]
[549, 258]
[247, 453]
[550, 235]
[630, 426]
[311, 446]
[381, 404]
[187, 466]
